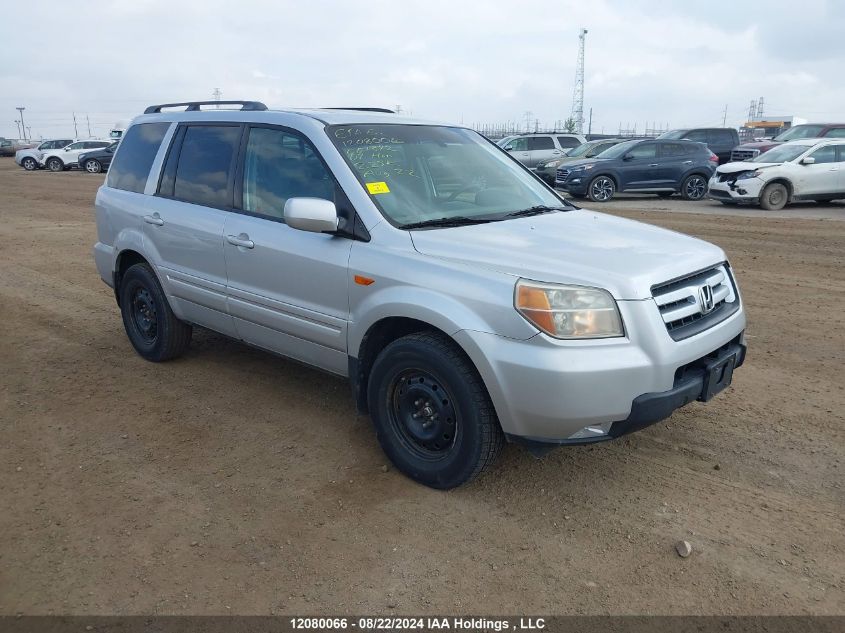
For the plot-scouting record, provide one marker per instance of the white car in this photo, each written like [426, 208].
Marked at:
[30, 159]
[808, 169]
[67, 157]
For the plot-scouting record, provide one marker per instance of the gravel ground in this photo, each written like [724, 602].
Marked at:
[233, 481]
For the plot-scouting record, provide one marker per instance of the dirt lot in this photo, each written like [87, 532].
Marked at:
[232, 481]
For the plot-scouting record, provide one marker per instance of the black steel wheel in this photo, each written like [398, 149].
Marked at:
[431, 411]
[154, 331]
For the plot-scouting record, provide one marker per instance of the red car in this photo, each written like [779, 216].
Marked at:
[809, 130]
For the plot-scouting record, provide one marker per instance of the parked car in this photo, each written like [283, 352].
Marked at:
[809, 169]
[97, 160]
[719, 140]
[644, 166]
[468, 307]
[67, 157]
[547, 169]
[30, 159]
[530, 149]
[7, 147]
[796, 132]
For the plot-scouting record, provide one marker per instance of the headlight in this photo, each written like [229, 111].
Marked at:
[568, 311]
[551, 163]
[583, 167]
[749, 174]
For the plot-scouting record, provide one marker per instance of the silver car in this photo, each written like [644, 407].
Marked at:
[531, 149]
[466, 302]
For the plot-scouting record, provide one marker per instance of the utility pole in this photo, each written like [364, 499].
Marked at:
[217, 94]
[75, 131]
[89, 125]
[577, 114]
[725, 116]
[21, 109]
[590, 126]
[18, 123]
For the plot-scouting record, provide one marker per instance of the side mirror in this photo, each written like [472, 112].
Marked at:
[314, 215]
[808, 160]
[627, 157]
[509, 148]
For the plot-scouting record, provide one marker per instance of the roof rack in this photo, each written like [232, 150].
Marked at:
[364, 109]
[194, 106]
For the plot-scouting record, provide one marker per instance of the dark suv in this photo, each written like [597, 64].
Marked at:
[719, 140]
[656, 166]
[809, 130]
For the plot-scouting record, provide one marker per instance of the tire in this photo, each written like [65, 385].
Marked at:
[154, 331]
[55, 164]
[431, 411]
[694, 187]
[665, 194]
[601, 189]
[774, 197]
[93, 166]
[29, 163]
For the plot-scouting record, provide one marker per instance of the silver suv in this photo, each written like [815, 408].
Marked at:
[531, 149]
[467, 303]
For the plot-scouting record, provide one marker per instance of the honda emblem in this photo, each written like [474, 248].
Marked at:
[705, 294]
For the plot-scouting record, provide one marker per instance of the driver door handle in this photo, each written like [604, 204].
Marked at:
[241, 240]
[653, 164]
[155, 218]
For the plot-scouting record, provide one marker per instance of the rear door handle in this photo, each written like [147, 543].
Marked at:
[687, 162]
[155, 218]
[653, 165]
[241, 240]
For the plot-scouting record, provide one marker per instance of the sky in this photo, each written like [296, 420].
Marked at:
[648, 62]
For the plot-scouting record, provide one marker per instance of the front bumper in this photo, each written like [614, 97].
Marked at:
[547, 391]
[746, 190]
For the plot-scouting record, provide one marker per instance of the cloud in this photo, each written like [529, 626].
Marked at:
[647, 60]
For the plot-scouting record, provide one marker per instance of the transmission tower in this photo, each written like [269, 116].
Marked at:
[578, 91]
[760, 109]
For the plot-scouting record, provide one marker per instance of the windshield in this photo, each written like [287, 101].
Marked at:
[617, 150]
[800, 131]
[582, 149]
[420, 173]
[674, 134]
[780, 154]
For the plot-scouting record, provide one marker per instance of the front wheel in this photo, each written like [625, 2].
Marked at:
[774, 197]
[55, 164]
[694, 187]
[29, 163]
[601, 189]
[154, 331]
[93, 166]
[432, 413]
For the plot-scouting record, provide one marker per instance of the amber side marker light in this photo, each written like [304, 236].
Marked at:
[364, 281]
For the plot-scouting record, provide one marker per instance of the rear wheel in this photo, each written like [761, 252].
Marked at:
[694, 187]
[431, 411]
[774, 197]
[93, 166]
[154, 331]
[601, 189]
[55, 164]
[29, 163]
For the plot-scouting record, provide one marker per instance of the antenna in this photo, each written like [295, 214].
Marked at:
[578, 91]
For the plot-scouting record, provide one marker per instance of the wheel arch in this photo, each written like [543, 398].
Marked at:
[54, 157]
[781, 180]
[125, 259]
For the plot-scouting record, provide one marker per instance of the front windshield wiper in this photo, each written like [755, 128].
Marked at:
[535, 210]
[458, 220]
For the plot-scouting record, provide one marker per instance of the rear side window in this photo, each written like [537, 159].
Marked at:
[668, 150]
[138, 150]
[205, 163]
[697, 135]
[837, 132]
[568, 141]
[540, 142]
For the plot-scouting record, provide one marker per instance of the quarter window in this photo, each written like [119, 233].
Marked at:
[131, 167]
[205, 161]
[279, 165]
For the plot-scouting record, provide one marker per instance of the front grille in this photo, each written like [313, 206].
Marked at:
[681, 301]
[739, 155]
[561, 175]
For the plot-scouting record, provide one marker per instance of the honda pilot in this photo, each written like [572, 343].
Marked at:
[466, 302]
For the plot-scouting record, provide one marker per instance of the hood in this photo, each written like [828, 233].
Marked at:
[732, 168]
[577, 162]
[578, 247]
[761, 145]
